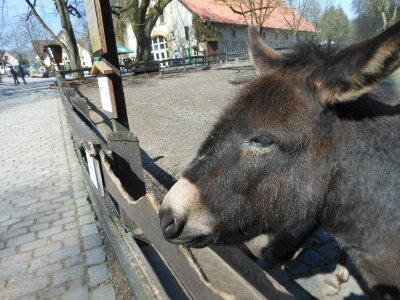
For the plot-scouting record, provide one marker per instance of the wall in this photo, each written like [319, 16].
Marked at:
[176, 17]
[236, 42]
[11, 59]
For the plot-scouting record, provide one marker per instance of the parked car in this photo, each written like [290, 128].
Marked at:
[36, 72]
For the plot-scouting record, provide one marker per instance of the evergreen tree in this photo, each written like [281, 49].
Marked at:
[334, 25]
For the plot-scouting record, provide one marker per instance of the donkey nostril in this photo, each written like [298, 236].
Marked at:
[170, 226]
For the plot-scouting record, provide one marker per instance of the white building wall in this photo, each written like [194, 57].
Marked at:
[234, 38]
[176, 17]
[86, 58]
[129, 38]
[10, 59]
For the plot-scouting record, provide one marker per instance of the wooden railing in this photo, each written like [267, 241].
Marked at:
[155, 268]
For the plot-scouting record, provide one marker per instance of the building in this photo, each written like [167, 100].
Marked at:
[84, 54]
[224, 31]
[86, 58]
[10, 59]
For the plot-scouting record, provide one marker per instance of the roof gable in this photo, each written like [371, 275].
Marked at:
[217, 11]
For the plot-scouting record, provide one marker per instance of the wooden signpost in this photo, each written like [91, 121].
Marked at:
[96, 29]
[121, 141]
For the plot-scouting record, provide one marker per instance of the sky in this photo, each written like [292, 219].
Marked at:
[346, 5]
[19, 8]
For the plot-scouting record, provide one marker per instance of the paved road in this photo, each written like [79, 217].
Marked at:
[50, 247]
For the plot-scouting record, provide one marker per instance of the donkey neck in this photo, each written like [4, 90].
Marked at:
[365, 167]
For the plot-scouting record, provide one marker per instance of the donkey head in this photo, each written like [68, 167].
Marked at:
[266, 165]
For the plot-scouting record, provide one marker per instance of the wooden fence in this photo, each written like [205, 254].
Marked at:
[155, 268]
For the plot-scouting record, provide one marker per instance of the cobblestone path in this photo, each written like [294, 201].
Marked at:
[50, 247]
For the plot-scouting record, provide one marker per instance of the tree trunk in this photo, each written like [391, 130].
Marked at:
[69, 36]
[2, 60]
[260, 29]
[70, 46]
[143, 48]
[143, 20]
[384, 20]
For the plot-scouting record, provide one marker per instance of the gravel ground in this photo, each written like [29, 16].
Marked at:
[171, 115]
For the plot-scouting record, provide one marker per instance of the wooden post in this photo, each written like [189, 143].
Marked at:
[124, 145]
[112, 57]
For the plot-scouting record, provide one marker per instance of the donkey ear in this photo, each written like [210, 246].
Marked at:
[263, 56]
[357, 69]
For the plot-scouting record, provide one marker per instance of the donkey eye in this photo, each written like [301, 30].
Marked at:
[260, 143]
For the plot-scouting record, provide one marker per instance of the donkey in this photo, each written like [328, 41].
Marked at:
[316, 138]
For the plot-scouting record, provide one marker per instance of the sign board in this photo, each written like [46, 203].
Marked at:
[92, 170]
[107, 95]
[96, 28]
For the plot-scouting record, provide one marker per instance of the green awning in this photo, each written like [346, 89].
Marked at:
[123, 50]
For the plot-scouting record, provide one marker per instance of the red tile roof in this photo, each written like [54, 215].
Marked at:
[219, 12]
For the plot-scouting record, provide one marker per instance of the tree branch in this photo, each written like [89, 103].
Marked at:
[119, 10]
[251, 10]
[40, 20]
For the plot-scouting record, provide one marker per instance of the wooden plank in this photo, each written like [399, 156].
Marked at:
[81, 104]
[144, 212]
[95, 26]
[101, 67]
[143, 281]
[79, 128]
[252, 273]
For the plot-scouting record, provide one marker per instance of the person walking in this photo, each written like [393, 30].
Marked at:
[22, 73]
[14, 75]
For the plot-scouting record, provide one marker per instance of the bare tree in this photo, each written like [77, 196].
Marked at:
[36, 34]
[294, 14]
[5, 35]
[69, 45]
[143, 16]
[253, 12]
[18, 45]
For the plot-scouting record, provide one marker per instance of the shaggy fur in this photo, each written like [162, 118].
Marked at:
[314, 139]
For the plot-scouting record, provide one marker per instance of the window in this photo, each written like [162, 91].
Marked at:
[243, 47]
[276, 36]
[159, 48]
[234, 47]
[233, 33]
[187, 33]
[225, 47]
[287, 36]
[162, 20]
[263, 34]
